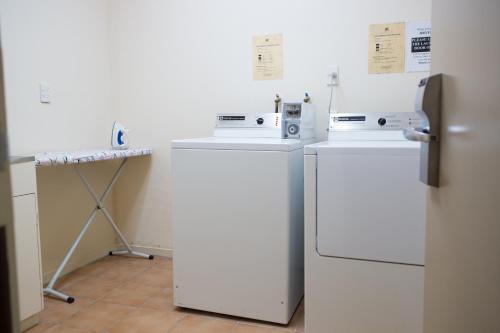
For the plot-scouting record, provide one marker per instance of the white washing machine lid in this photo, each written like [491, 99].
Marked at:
[313, 148]
[254, 144]
[362, 139]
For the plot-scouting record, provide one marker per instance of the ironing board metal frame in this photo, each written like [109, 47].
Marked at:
[99, 206]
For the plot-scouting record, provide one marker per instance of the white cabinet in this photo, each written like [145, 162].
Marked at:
[27, 239]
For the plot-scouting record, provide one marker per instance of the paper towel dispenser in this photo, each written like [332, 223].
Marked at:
[428, 106]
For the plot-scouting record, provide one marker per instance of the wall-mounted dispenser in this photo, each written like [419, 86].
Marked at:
[428, 106]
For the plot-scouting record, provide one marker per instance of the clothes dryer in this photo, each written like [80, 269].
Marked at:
[364, 227]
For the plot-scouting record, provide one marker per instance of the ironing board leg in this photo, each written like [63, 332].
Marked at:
[100, 205]
[50, 287]
[49, 290]
[60, 295]
[123, 239]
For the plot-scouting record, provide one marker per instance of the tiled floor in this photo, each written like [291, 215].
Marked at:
[130, 295]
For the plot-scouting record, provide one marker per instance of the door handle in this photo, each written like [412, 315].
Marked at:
[428, 106]
[418, 134]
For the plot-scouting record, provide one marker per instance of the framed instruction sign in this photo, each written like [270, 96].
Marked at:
[268, 57]
[386, 48]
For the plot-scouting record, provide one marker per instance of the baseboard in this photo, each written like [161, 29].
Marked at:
[73, 266]
[157, 251]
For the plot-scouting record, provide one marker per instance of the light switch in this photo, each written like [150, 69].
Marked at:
[44, 92]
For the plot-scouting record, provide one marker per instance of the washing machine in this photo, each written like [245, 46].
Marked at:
[238, 219]
[364, 227]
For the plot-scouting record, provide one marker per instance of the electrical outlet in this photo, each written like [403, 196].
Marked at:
[44, 92]
[332, 75]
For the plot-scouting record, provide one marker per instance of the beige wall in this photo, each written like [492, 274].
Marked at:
[176, 63]
[164, 68]
[66, 44]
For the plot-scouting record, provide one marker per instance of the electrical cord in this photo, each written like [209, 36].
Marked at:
[330, 103]
[332, 97]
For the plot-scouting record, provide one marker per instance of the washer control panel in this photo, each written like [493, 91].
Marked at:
[373, 121]
[248, 120]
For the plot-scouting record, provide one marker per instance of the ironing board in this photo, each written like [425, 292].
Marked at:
[75, 158]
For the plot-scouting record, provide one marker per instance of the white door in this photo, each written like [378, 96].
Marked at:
[462, 278]
[362, 213]
[9, 319]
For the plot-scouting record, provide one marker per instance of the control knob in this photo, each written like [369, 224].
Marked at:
[293, 129]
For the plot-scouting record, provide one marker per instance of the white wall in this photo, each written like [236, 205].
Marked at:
[176, 63]
[66, 44]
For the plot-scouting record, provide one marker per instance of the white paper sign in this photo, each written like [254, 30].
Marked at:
[268, 57]
[418, 46]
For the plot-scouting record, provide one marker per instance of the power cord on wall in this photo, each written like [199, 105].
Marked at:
[333, 97]
[333, 83]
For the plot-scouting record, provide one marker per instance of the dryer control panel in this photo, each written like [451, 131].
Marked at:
[373, 121]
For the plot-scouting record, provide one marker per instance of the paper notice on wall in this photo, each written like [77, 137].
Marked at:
[386, 48]
[418, 46]
[268, 57]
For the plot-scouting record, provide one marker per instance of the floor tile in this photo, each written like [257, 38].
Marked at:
[163, 263]
[161, 301]
[40, 328]
[244, 321]
[297, 320]
[119, 273]
[206, 314]
[281, 328]
[245, 328]
[100, 316]
[96, 267]
[148, 321]
[155, 277]
[89, 287]
[64, 329]
[198, 324]
[268, 325]
[130, 260]
[120, 294]
[55, 310]
[68, 279]
[132, 293]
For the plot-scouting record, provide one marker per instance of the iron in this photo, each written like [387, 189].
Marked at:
[119, 136]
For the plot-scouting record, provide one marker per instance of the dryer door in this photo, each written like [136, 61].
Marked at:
[371, 205]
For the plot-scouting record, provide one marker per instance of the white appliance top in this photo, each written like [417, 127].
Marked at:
[254, 144]
[370, 130]
[313, 148]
